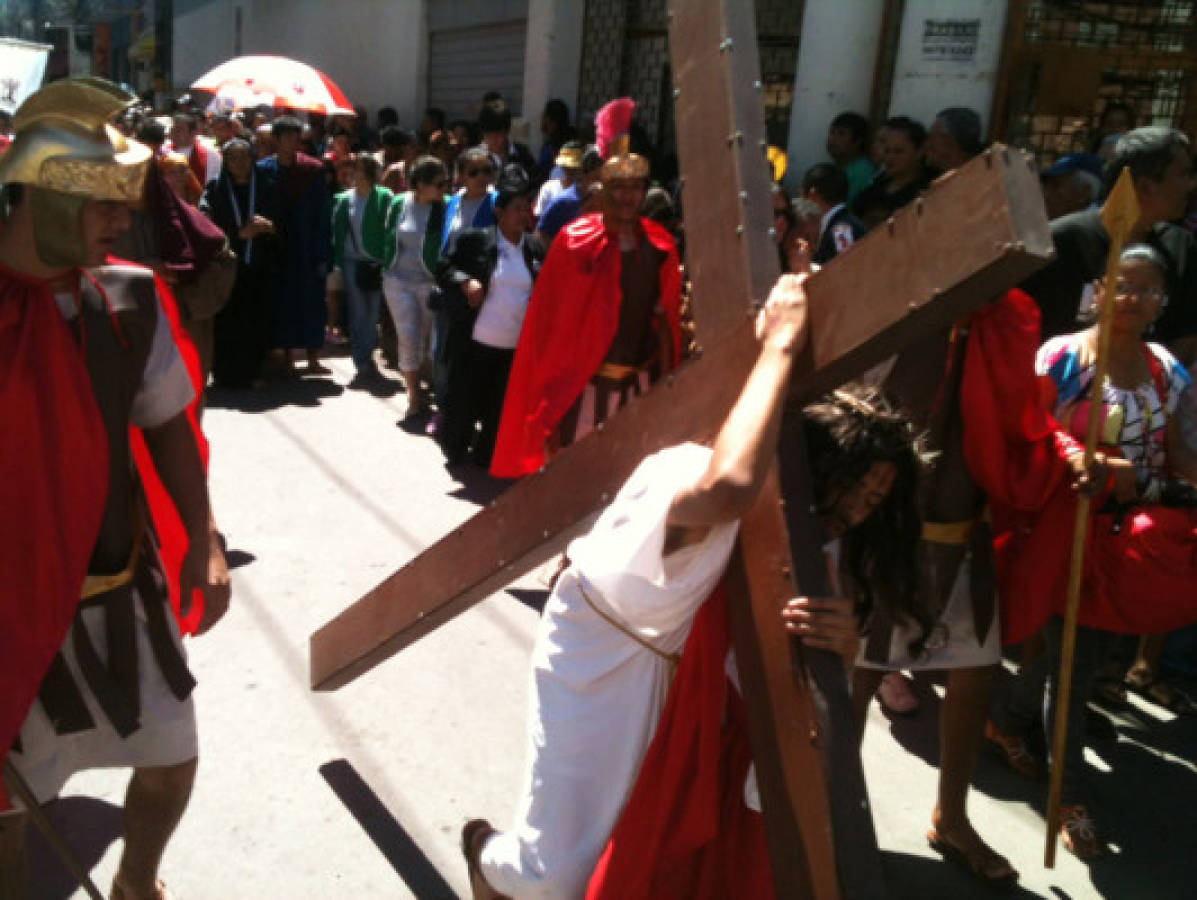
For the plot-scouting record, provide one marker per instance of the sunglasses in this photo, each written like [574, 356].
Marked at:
[474, 173]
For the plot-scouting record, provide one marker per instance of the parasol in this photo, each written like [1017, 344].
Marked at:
[249, 81]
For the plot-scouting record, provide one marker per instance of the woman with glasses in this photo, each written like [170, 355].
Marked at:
[472, 205]
[414, 226]
[1139, 567]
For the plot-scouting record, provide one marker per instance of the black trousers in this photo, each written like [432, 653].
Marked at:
[477, 383]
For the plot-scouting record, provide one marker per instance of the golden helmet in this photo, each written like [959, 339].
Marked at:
[63, 142]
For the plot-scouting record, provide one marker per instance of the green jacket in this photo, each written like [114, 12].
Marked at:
[374, 230]
[432, 234]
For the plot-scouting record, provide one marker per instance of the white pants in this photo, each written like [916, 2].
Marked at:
[408, 305]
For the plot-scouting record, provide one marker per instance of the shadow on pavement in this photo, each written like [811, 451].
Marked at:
[1141, 791]
[376, 386]
[918, 878]
[238, 558]
[476, 484]
[276, 394]
[392, 841]
[531, 598]
[88, 826]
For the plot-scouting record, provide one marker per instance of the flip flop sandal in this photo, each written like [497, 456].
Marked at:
[977, 865]
[119, 893]
[1110, 693]
[1168, 696]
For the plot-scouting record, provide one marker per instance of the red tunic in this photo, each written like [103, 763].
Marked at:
[686, 832]
[572, 319]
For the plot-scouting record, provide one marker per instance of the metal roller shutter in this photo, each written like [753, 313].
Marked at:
[465, 63]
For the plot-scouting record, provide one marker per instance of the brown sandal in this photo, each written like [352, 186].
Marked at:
[162, 891]
[474, 835]
[980, 865]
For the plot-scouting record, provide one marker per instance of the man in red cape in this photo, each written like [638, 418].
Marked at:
[603, 322]
[86, 354]
[638, 742]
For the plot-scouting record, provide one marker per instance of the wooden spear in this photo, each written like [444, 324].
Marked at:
[21, 788]
[1119, 215]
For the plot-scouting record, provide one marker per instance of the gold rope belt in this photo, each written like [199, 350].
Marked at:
[94, 585]
[620, 372]
[956, 533]
[673, 659]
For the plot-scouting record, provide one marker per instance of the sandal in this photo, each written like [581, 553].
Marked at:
[986, 865]
[1164, 694]
[1078, 833]
[1013, 750]
[1110, 693]
[161, 890]
[474, 835]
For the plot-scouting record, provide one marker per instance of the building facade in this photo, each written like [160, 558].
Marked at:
[1040, 72]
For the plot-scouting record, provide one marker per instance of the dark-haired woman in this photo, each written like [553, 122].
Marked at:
[359, 248]
[1139, 566]
[903, 177]
[492, 270]
[414, 229]
[243, 202]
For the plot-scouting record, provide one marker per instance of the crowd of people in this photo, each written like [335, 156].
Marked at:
[523, 299]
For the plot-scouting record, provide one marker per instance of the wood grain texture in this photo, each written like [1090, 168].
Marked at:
[537, 516]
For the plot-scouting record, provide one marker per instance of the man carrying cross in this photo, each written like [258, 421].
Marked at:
[643, 584]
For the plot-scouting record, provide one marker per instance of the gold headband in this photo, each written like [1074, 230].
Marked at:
[625, 166]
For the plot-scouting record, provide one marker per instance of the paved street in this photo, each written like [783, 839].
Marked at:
[361, 793]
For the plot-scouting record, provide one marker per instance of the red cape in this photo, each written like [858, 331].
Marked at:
[169, 527]
[53, 487]
[571, 321]
[1016, 452]
[686, 832]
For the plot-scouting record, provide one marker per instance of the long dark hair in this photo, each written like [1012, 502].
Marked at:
[846, 433]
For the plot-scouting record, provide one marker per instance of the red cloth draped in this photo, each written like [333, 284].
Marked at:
[167, 524]
[53, 487]
[686, 832]
[1016, 452]
[1137, 582]
[571, 321]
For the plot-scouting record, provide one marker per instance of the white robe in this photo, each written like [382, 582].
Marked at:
[596, 694]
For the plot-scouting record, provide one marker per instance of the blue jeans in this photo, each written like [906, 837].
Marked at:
[362, 308]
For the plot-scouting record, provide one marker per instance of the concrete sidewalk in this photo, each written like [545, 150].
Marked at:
[361, 793]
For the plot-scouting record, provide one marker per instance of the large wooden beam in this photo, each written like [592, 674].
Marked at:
[864, 306]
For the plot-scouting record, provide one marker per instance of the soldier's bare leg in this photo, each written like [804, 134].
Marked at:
[154, 804]
[14, 866]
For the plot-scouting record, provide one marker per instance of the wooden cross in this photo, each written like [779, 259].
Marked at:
[976, 233]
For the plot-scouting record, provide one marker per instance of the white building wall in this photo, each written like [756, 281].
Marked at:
[835, 74]
[935, 69]
[554, 56]
[374, 50]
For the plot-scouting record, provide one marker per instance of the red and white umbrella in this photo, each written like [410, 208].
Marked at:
[249, 81]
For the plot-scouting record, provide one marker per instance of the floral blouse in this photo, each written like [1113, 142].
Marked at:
[1135, 419]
